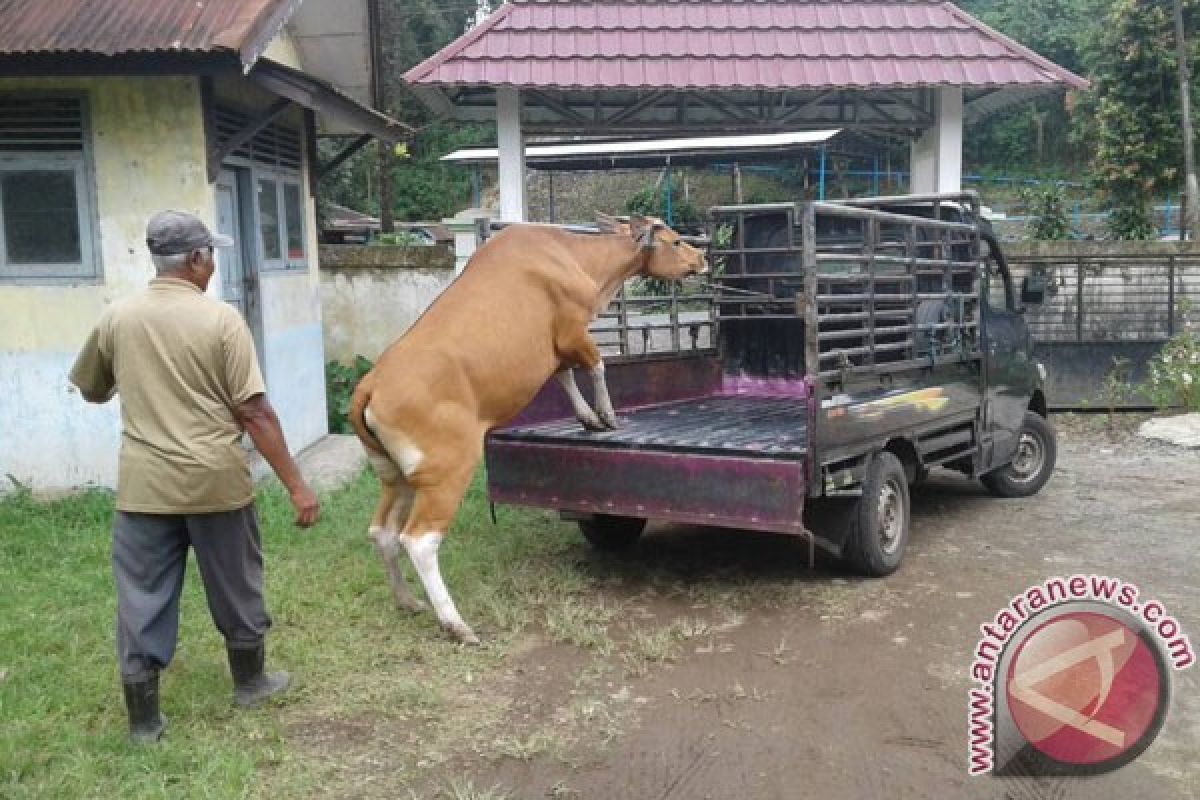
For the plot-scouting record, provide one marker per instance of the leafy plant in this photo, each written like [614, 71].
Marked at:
[652, 201]
[1174, 374]
[340, 380]
[1047, 212]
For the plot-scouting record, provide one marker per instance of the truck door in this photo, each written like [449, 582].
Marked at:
[1007, 349]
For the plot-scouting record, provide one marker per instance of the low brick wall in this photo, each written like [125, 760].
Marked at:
[371, 295]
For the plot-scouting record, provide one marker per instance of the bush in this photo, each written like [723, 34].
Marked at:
[652, 202]
[1047, 213]
[340, 381]
[1174, 374]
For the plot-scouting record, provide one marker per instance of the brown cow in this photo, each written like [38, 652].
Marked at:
[517, 315]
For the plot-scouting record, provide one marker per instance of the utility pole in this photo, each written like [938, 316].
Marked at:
[1187, 226]
[380, 64]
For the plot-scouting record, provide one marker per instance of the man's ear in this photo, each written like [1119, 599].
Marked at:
[607, 224]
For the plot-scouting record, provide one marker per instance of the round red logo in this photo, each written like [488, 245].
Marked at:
[1085, 688]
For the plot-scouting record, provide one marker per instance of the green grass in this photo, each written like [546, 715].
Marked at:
[383, 704]
[360, 666]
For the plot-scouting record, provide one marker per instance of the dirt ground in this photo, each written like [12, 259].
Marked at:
[775, 681]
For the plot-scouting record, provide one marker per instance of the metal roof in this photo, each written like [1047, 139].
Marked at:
[736, 45]
[649, 152]
[119, 27]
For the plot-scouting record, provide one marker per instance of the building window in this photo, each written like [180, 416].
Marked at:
[46, 201]
[281, 223]
[268, 221]
[293, 216]
[275, 157]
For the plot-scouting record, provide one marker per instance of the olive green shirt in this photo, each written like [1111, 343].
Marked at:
[181, 363]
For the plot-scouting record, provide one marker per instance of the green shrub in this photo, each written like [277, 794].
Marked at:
[1047, 213]
[340, 380]
[1174, 374]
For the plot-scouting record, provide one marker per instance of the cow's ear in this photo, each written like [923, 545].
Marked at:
[642, 230]
[607, 224]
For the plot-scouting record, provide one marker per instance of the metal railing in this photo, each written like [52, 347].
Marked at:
[1110, 296]
[646, 317]
[640, 321]
[879, 290]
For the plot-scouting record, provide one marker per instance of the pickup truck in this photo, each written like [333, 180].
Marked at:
[852, 347]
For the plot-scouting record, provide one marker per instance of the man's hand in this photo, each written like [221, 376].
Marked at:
[308, 510]
[259, 420]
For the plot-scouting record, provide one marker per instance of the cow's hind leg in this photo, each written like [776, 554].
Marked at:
[433, 509]
[395, 500]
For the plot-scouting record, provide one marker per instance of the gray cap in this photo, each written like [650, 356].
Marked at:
[173, 232]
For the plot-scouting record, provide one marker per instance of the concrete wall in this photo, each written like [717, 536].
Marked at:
[371, 295]
[148, 153]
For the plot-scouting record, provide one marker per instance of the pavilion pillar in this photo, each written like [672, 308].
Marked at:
[936, 156]
[511, 145]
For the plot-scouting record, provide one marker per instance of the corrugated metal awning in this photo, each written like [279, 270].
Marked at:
[122, 27]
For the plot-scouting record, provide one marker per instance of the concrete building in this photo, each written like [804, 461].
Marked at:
[105, 118]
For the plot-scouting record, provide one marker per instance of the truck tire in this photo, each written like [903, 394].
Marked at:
[611, 533]
[879, 522]
[1032, 464]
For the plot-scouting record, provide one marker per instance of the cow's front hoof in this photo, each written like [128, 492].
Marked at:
[593, 423]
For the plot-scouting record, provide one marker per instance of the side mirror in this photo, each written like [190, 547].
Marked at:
[1033, 288]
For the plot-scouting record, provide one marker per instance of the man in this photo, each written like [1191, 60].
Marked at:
[185, 368]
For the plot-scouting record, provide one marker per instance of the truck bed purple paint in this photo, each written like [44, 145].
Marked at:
[751, 493]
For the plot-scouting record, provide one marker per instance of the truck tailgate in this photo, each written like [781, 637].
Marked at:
[727, 460]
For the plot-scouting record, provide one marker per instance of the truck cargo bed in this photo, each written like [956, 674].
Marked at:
[736, 425]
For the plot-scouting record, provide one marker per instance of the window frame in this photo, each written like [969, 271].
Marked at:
[89, 269]
[281, 178]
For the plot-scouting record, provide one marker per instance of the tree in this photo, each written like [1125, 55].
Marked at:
[416, 187]
[1136, 104]
[1041, 134]
[1185, 113]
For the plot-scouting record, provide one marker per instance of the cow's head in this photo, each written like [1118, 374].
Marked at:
[668, 256]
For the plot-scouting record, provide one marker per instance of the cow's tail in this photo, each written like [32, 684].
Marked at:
[358, 415]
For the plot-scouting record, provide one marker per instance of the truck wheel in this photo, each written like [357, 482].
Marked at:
[879, 523]
[1032, 464]
[607, 532]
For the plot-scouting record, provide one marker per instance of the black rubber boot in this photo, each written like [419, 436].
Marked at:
[146, 722]
[251, 686]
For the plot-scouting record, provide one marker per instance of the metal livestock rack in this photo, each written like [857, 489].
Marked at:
[878, 291]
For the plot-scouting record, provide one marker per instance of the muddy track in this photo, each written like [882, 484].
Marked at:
[841, 688]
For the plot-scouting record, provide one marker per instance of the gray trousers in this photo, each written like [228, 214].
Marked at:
[149, 558]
